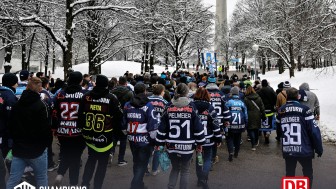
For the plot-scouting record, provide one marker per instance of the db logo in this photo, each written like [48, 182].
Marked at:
[295, 183]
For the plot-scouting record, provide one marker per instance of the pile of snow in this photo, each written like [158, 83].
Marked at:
[321, 83]
[112, 68]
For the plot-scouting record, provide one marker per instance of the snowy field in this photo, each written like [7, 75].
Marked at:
[320, 81]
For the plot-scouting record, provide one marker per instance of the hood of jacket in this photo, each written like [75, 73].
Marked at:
[120, 90]
[98, 92]
[252, 96]
[180, 102]
[139, 100]
[201, 105]
[304, 86]
[29, 97]
[73, 89]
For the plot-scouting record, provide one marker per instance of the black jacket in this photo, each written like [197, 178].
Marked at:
[269, 97]
[123, 94]
[29, 126]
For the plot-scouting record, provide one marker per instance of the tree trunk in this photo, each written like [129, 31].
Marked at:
[46, 58]
[243, 58]
[268, 65]
[30, 49]
[263, 62]
[166, 58]
[54, 59]
[299, 63]
[8, 57]
[147, 54]
[280, 65]
[67, 51]
[152, 59]
[24, 51]
[292, 62]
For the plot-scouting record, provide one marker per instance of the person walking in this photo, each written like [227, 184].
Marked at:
[65, 125]
[141, 127]
[312, 101]
[124, 94]
[30, 128]
[212, 132]
[180, 128]
[238, 122]
[268, 97]
[99, 114]
[256, 113]
[301, 135]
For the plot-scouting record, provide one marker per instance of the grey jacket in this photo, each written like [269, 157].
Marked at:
[312, 102]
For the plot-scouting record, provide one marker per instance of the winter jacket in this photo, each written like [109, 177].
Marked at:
[301, 134]
[139, 121]
[255, 112]
[312, 100]
[65, 112]
[208, 115]
[7, 100]
[29, 126]
[281, 99]
[268, 97]
[238, 111]
[123, 93]
[180, 128]
[99, 113]
[159, 104]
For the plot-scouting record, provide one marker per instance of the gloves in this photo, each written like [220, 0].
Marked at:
[319, 154]
[199, 148]
[317, 117]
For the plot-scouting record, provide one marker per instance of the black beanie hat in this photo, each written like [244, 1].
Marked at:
[9, 79]
[75, 78]
[101, 81]
[264, 83]
[139, 88]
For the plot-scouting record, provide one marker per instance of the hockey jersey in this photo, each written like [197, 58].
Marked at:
[238, 111]
[217, 100]
[159, 104]
[99, 114]
[301, 134]
[209, 120]
[180, 128]
[65, 112]
[139, 120]
[20, 88]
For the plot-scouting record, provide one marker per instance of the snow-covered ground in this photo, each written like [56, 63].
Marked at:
[320, 81]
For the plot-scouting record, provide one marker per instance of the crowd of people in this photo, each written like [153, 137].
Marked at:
[177, 112]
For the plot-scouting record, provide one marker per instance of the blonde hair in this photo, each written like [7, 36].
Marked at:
[249, 90]
[34, 84]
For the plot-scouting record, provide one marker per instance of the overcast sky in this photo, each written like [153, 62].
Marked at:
[230, 6]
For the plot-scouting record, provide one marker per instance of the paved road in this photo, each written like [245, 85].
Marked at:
[261, 169]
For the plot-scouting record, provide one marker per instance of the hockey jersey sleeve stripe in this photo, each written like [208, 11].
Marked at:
[216, 130]
[180, 152]
[209, 136]
[158, 140]
[309, 117]
[226, 112]
[200, 140]
[163, 134]
[181, 141]
[200, 133]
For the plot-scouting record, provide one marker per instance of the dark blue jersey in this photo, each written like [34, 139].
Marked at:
[180, 128]
[159, 104]
[209, 120]
[301, 134]
[238, 113]
[139, 121]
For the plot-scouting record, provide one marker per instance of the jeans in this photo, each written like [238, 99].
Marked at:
[40, 169]
[2, 172]
[155, 161]
[179, 165]
[50, 155]
[214, 152]
[93, 158]
[233, 141]
[71, 150]
[203, 171]
[254, 136]
[307, 167]
[141, 156]
[122, 147]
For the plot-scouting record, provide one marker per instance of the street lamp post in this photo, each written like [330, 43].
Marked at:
[255, 48]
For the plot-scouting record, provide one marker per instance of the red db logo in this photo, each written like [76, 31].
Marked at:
[295, 183]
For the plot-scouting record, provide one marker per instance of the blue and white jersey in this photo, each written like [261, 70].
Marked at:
[217, 100]
[20, 88]
[238, 113]
[209, 120]
[159, 104]
[301, 134]
[180, 128]
[139, 122]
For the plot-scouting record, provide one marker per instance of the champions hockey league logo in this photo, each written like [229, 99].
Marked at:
[26, 185]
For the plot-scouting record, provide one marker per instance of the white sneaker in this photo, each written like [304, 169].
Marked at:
[253, 149]
[58, 180]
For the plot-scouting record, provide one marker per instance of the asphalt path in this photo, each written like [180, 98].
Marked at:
[260, 169]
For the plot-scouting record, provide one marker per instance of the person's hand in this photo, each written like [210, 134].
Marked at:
[199, 148]
[226, 123]
[319, 154]
[219, 144]
[317, 117]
